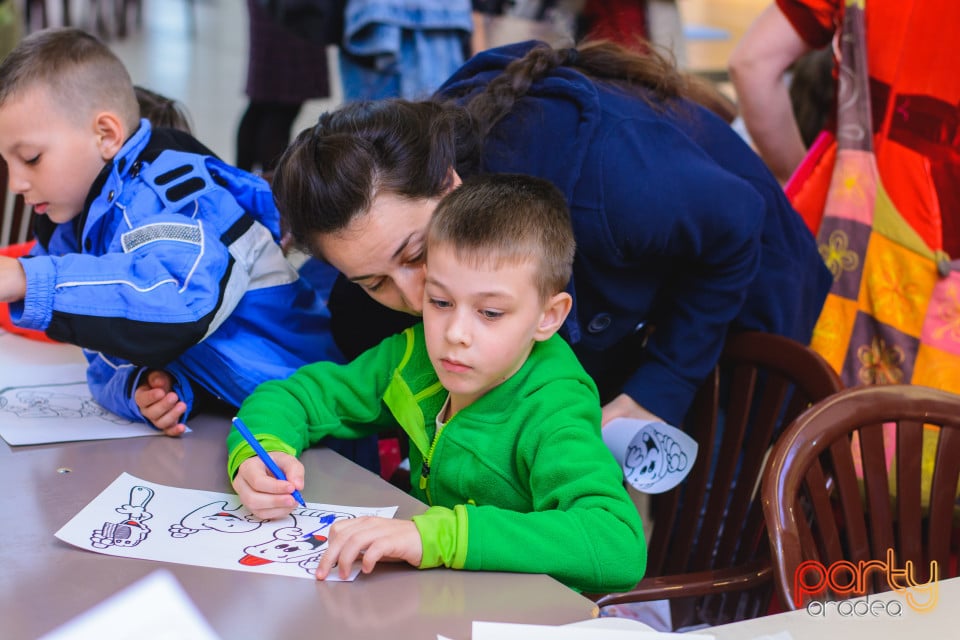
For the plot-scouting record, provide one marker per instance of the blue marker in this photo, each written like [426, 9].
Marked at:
[262, 453]
[325, 522]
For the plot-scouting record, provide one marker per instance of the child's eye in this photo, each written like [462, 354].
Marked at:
[440, 304]
[32, 160]
[490, 314]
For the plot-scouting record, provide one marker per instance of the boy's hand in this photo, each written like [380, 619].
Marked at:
[159, 404]
[375, 539]
[13, 281]
[266, 496]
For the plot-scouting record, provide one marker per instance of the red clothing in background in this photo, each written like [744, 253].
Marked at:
[913, 47]
[623, 21]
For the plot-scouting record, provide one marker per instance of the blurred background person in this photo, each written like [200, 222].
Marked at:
[284, 70]
[914, 90]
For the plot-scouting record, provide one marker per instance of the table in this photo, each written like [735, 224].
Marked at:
[45, 582]
[858, 623]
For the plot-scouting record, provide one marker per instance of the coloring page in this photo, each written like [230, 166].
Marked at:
[655, 456]
[139, 519]
[44, 396]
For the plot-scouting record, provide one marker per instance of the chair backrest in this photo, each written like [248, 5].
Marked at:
[714, 520]
[822, 510]
[16, 222]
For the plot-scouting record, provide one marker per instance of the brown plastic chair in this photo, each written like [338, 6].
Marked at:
[708, 551]
[818, 510]
[16, 222]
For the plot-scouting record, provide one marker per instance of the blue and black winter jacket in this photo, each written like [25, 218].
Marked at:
[174, 264]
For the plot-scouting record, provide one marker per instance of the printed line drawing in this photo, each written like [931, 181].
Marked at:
[653, 456]
[292, 545]
[71, 400]
[216, 516]
[130, 531]
[205, 528]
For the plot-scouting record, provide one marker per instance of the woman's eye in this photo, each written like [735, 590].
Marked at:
[32, 160]
[414, 259]
[490, 314]
[374, 286]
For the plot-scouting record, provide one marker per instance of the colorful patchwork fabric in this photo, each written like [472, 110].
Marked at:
[893, 313]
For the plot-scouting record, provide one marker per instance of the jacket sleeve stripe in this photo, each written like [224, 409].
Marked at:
[171, 231]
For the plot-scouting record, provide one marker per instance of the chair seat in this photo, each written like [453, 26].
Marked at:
[699, 583]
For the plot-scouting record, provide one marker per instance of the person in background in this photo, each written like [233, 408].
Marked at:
[157, 258]
[284, 70]
[683, 235]
[914, 92]
[162, 111]
[812, 92]
[504, 422]
[401, 48]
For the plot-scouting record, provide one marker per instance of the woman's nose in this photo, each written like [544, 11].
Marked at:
[410, 285]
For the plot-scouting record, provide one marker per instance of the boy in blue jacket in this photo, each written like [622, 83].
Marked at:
[156, 257]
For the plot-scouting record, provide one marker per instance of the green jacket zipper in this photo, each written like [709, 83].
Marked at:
[425, 468]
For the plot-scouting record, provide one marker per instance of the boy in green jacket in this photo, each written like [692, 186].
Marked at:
[504, 423]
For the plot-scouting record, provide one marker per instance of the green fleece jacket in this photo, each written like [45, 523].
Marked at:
[520, 480]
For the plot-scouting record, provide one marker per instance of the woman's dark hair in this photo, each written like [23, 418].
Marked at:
[649, 75]
[331, 173]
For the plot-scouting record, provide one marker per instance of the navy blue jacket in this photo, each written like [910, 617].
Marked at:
[680, 230]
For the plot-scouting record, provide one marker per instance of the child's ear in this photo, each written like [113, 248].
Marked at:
[453, 180]
[111, 134]
[555, 311]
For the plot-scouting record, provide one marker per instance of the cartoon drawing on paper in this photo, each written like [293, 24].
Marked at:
[292, 544]
[652, 456]
[130, 531]
[206, 529]
[54, 401]
[216, 517]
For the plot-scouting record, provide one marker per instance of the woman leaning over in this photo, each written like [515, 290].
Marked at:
[682, 233]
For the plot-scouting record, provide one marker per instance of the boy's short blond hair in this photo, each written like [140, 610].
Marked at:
[497, 218]
[81, 73]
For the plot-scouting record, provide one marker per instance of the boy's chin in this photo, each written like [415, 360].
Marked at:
[58, 217]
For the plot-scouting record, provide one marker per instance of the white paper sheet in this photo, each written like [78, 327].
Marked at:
[138, 519]
[655, 456]
[153, 608]
[44, 396]
[578, 631]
